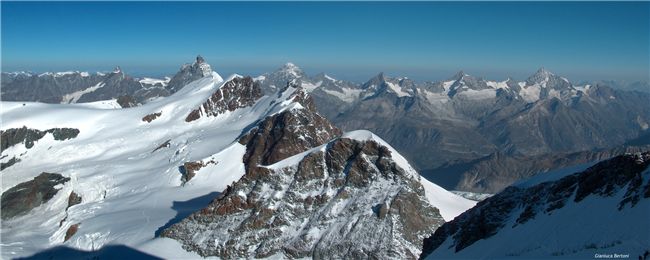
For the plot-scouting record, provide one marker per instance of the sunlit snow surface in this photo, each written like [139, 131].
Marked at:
[129, 191]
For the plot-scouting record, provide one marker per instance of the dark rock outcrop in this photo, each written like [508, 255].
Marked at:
[285, 134]
[490, 216]
[150, 117]
[234, 94]
[188, 73]
[9, 163]
[189, 169]
[73, 199]
[71, 231]
[25, 196]
[28, 136]
[126, 101]
[163, 145]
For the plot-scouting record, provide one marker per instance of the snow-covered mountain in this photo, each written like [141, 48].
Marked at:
[215, 149]
[602, 210]
[354, 197]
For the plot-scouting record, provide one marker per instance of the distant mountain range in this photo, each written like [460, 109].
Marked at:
[459, 122]
[448, 129]
[81, 87]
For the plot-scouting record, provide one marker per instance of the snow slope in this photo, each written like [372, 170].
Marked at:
[602, 210]
[113, 166]
[605, 231]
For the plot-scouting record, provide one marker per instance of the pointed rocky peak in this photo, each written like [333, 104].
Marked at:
[115, 76]
[401, 87]
[544, 72]
[461, 82]
[459, 76]
[199, 59]
[381, 76]
[189, 73]
[375, 81]
[541, 76]
[291, 70]
[275, 82]
[289, 66]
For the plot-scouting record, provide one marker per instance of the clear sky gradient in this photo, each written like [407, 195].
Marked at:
[348, 40]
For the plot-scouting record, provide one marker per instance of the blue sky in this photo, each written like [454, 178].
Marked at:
[349, 40]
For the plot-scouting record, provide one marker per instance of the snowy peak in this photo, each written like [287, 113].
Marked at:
[292, 70]
[401, 87]
[273, 82]
[459, 76]
[191, 72]
[541, 76]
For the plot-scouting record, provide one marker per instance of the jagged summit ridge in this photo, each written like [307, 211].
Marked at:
[191, 72]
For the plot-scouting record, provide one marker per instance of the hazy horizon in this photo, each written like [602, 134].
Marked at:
[585, 41]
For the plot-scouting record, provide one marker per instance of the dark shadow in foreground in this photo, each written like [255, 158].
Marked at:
[107, 252]
[185, 208]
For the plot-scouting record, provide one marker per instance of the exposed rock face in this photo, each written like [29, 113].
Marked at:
[9, 163]
[189, 169]
[73, 199]
[13, 136]
[189, 73]
[28, 136]
[163, 145]
[287, 133]
[325, 206]
[126, 101]
[523, 204]
[71, 231]
[23, 197]
[150, 117]
[237, 93]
